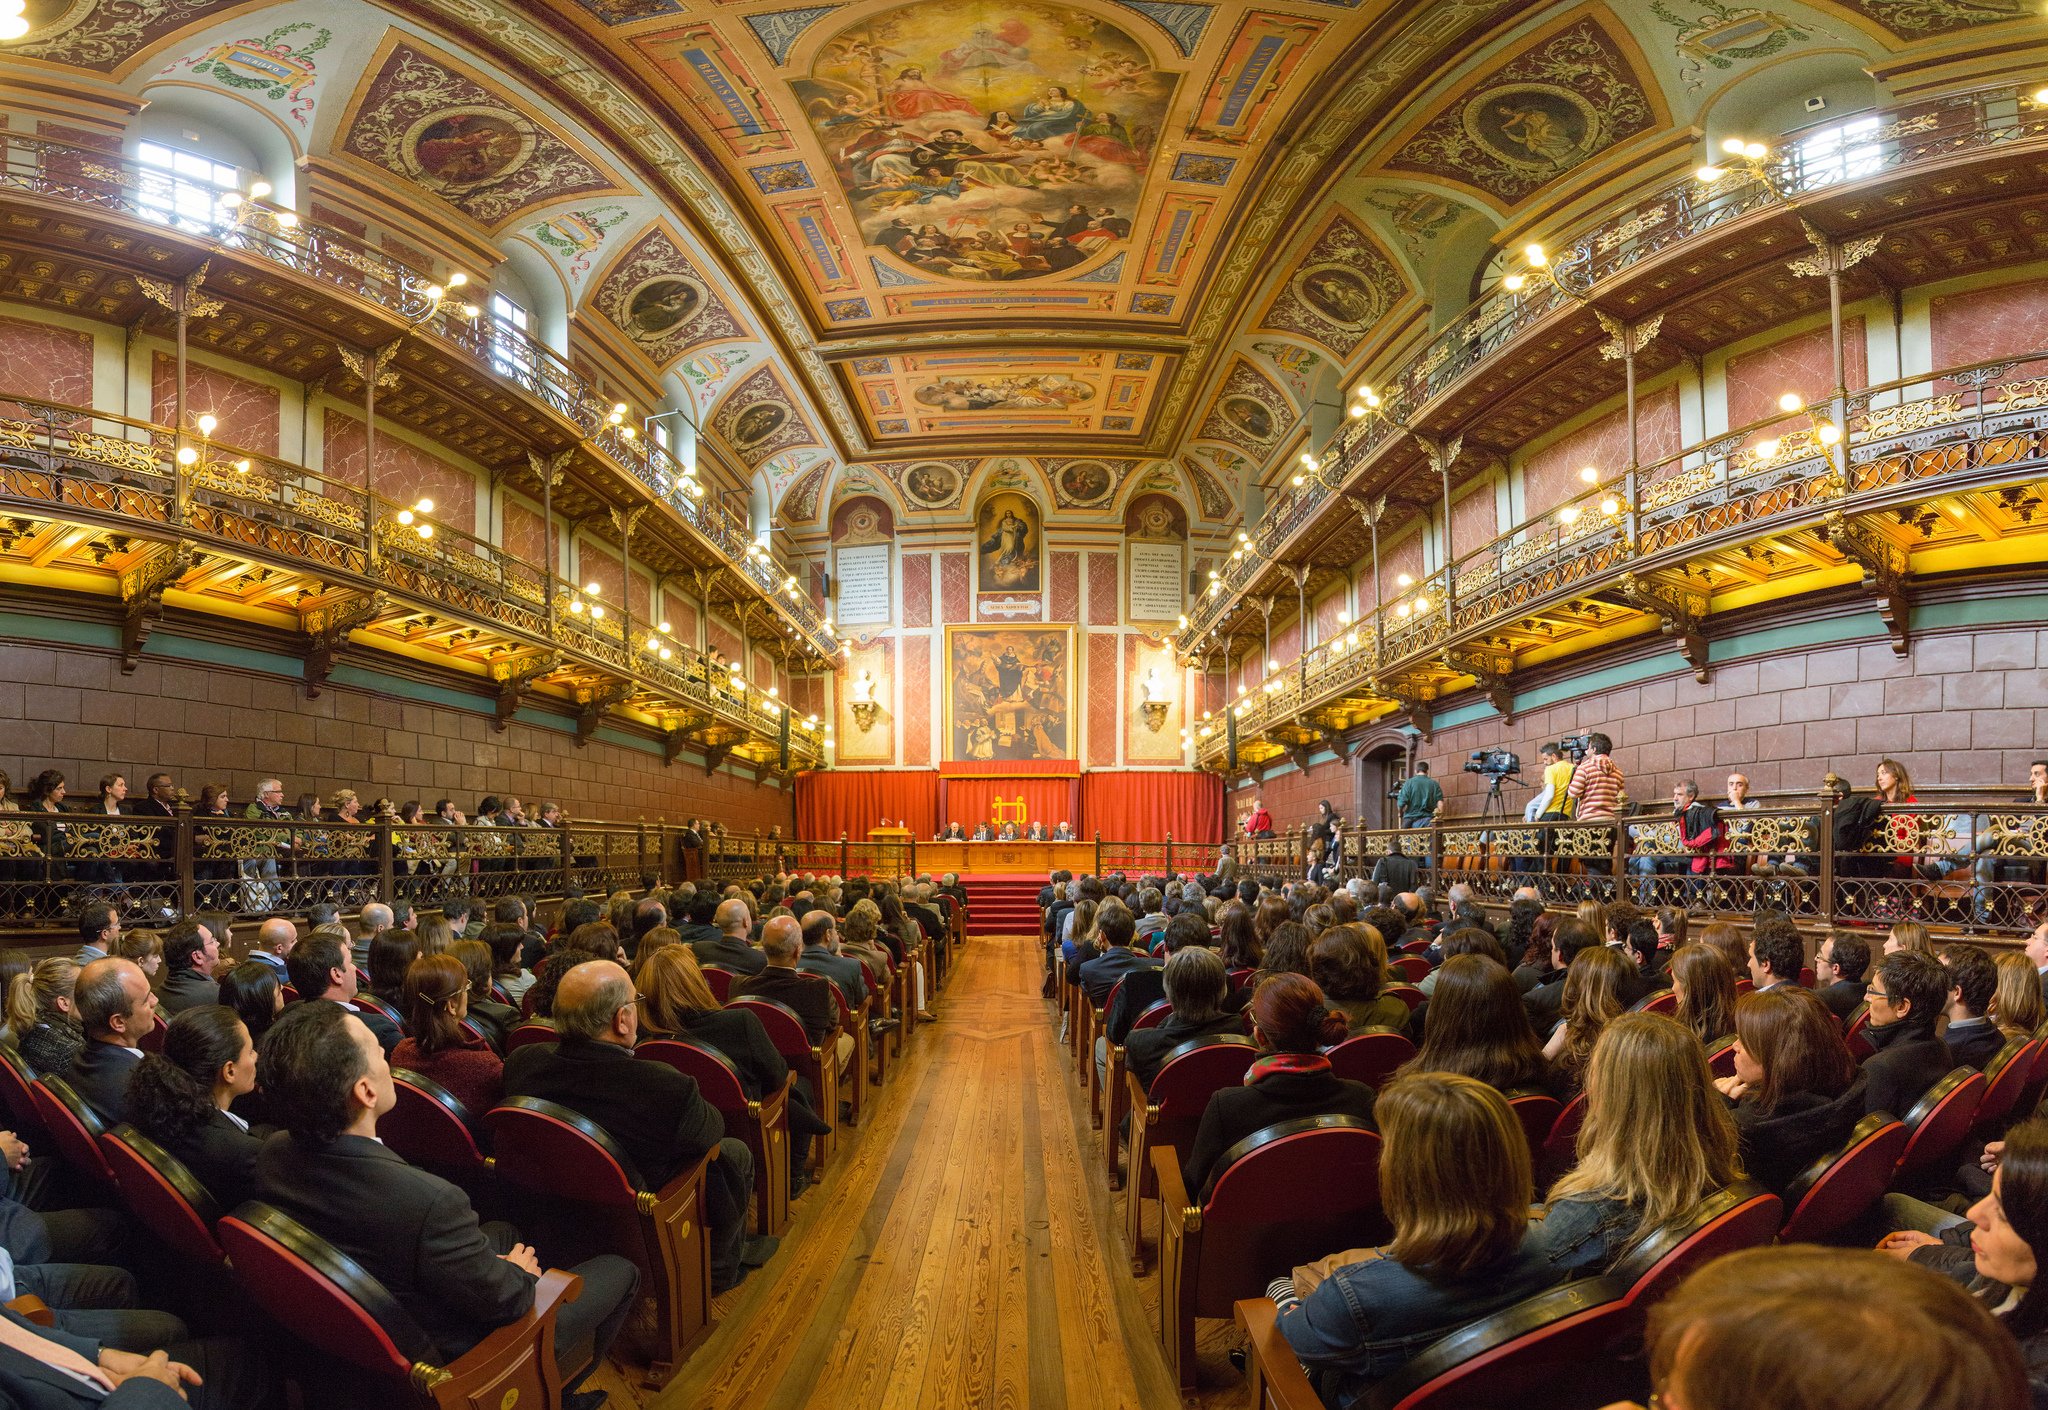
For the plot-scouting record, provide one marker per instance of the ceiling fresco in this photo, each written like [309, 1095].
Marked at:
[1095, 236]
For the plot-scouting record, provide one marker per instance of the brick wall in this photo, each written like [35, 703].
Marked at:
[73, 710]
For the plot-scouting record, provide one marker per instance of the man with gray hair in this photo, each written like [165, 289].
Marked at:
[375, 918]
[731, 948]
[261, 890]
[1195, 985]
[808, 996]
[658, 1118]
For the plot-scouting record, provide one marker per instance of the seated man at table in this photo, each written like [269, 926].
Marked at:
[1008, 833]
[1063, 833]
[983, 833]
[953, 833]
[1036, 833]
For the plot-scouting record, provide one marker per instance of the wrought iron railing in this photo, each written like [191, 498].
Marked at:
[1979, 425]
[106, 181]
[128, 476]
[1909, 136]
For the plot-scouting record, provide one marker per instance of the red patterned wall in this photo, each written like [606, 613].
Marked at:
[1405, 557]
[404, 472]
[1103, 607]
[1475, 520]
[1802, 363]
[917, 589]
[522, 535]
[917, 702]
[40, 361]
[247, 411]
[1551, 475]
[1988, 322]
[1326, 613]
[598, 565]
[953, 588]
[1066, 587]
[1101, 684]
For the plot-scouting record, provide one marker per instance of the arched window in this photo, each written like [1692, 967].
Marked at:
[1842, 151]
[184, 188]
[511, 346]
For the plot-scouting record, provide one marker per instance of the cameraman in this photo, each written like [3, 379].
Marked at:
[1596, 789]
[1420, 799]
[1550, 803]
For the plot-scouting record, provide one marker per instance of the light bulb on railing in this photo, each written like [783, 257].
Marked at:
[1791, 401]
[1732, 146]
[1569, 514]
[1357, 410]
[1708, 174]
[1590, 475]
[457, 279]
[1536, 255]
[1610, 506]
[187, 455]
[242, 466]
[259, 189]
[1767, 448]
[1513, 283]
[1756, 151]
[425, 506]
[662, 628]
[653, 643]
[1421, 604]
[1299, 480]
[1402, 580]
[207, 422]
[576, 606]
[289, 220]
[596, 612]
[666, 653]
[436, 293]
[592, 588]
[1828, 432]
[229, 200]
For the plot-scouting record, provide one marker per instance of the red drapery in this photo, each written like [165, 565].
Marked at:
[1046, 800]
[1145, 807]
[832, 802]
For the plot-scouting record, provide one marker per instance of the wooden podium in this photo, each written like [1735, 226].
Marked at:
[889, 834]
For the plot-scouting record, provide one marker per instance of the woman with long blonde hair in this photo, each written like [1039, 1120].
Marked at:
[41, 1017]
[1909, 935]
[1594, 913]
[2017, 1008]
[1704, 987]
[1657, 1139]
[1592, 1000]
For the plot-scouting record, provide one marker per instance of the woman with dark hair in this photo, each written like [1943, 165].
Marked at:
[1462, 1248]
[1592, 1000]
[485, 1012]
[1238, 940]
[1996, 1254]
[46, 795]
[1478, 1028]
[1703, 986]
[1533, 970]
[391, 954]
[1731, 945]
[1286, 950]
[1272, 913]
[180, 1097]
[433, 936]
[1797, 1093]
[1349, 962]
[252, 990]
[1292, 1079]
[436, 994]
[211, 869]
[1325, 842]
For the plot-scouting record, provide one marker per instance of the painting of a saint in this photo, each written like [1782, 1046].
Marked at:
[1007, 544]
[1532, 125]
[464, 148]
[661, 304]
[757, 423]
[1252, 417]
[979, 142]
[1009, 692]
[1339, 295]
[1084, 481]
[932, 484]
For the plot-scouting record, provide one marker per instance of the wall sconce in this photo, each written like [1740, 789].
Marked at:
[864, 706]
[1158, 699]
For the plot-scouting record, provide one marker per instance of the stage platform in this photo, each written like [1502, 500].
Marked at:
[1001, 904]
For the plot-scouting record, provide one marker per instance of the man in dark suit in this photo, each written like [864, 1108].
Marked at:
[1907, 993]
[983, 833]
[190, 953]
[1838, 970]
[821, 956]
[730, 948]
[806, 995]
[700, 908]
[1395, 872]
[1777, 952]
[412, 1231]
[321, 967]
[2037, 951]
[45, 1368]
[99, 926]
[115, 1008]
[1117, 927]
[1972, 1038]
[659, 1119]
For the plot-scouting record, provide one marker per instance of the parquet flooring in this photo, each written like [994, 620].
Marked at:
[963, 1250]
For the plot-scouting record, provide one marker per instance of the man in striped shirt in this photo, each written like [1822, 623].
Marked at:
[1596, 788]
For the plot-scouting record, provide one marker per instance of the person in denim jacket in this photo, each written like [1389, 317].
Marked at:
[1657, 1139]
[1461, 1249]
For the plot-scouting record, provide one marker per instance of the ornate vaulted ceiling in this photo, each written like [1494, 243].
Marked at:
[1120, 242]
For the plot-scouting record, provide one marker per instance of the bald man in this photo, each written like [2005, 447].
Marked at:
[822, 956]
[274, 941]
[376, 918]
[807, 995]
[654, 1113]
[115, 1008]
[731, 949]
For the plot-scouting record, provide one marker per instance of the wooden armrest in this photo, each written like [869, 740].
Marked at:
[1173, 1191]
[33, 1309]
[1277, 1380]
[489, 1359]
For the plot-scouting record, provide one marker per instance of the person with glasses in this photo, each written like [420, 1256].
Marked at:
[655, 1114]
[1907, 995]
[261, 890]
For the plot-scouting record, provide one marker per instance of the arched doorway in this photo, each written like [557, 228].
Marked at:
[1384, 758]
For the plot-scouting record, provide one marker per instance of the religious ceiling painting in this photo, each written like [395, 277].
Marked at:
[275, 71]
[1516, 128]
[1338, 290]
[928, 484]
[1009, 545]
[1084, 484]
[1249, 411]
[988, 142]
[102, 35]
[1000, 394]
[758, 418]
[654, 295]
[1009, 693]
[1213, 499]
[422, 119]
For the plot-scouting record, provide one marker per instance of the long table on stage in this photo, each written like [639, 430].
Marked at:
[998, 858]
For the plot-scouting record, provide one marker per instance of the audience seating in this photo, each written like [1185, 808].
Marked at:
[367, 1000]
[2005, 1079]
[529, 1030]
[1241, 1237]
[1116, 1096]
[1166, 1117]
[1370, 1057]
[1744, 1215]
[75, 1130]
[1721, 1056]
[1560, 1150]
[153, 1041]
[1939, 1123]
[763, 1125]
[1407, 994]
[327, 1300]
[819, 1065]
[854, 1022]
[15, 1077]
[587, 1182]
[1412, 968]
[1538, 1112]
[431, 1127]
[1840, 1188]
[720, 979]
[1664, 1001]
[164, 1197]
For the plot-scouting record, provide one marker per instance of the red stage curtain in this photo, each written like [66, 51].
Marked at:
[1145, 807]
[832, 802]
[1046, 800]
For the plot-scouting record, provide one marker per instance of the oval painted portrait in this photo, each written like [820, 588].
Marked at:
[932, 485]
[463, 147]
[662, 304]
[1251, 417]
[1534, 125]
[1084, 481]
[758, 422]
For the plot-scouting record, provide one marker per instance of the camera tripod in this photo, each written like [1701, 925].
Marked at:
[1496, 805]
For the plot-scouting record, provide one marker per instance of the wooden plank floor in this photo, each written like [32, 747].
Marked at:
[962, 1252]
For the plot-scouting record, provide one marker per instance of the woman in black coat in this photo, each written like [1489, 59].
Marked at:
[179, 1098]
[1797, 1092]
[1292, 1079]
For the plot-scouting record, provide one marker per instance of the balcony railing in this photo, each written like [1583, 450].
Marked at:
[1908, 136]
[1981, 424]
[57, 459]
[81, 176]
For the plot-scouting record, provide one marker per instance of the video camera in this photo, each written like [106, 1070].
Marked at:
[1495, 764]
[1576, 746]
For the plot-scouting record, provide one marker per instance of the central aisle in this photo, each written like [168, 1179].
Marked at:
[955, 1255]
